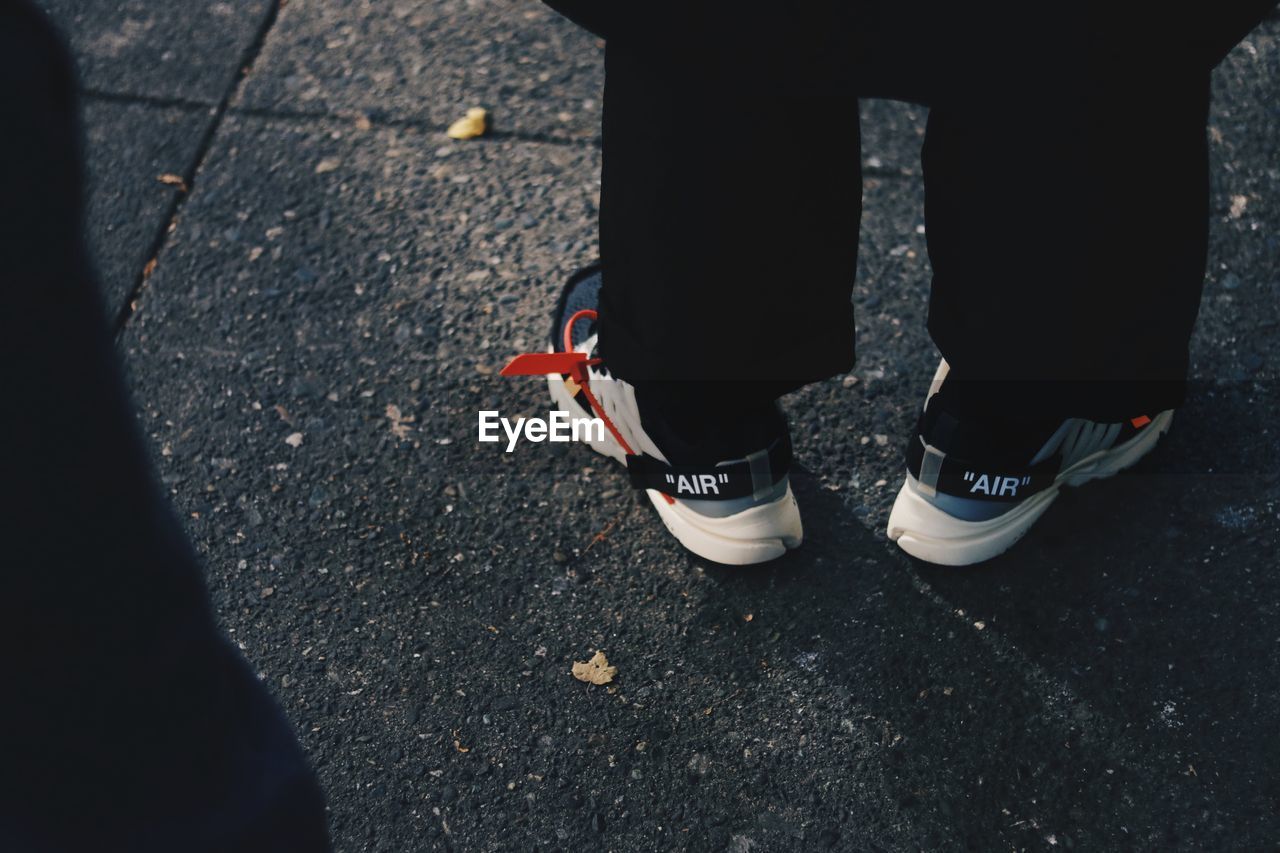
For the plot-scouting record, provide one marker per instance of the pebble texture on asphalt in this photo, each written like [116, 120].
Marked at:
[416, 603]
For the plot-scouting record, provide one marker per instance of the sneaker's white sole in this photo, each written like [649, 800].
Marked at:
[755, 535]
[926, 532]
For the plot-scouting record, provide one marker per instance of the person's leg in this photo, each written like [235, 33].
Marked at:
[730, 202]
[1067, 210]
[1067, 215]
[128, 722]
[729, 217]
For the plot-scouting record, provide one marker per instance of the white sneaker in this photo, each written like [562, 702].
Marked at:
[722, 500]
[968, 497]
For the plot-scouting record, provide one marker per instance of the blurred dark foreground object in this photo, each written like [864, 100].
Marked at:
[127, 721]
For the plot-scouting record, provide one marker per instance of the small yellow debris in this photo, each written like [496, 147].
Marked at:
[1238, 205]
[294, 440]
[328, 164]
[172, 180]
[748, 617]
[473, 124]
[595, 671]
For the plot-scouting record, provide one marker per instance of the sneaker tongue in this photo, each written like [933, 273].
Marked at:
[582, 292]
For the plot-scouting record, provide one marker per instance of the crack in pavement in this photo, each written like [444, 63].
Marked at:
[242, 70]
[429, 126]
[158, 101]
[420, 124]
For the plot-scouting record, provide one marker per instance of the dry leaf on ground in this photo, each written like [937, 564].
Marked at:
[400, 424]
[473, 124]
[172, 180]
[595, 671]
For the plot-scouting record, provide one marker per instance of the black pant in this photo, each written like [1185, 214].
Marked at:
[128, 722]
[1065, 170]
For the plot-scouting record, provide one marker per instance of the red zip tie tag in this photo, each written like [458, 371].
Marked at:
[573, 364]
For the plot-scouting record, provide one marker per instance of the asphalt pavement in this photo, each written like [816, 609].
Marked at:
[312, 307]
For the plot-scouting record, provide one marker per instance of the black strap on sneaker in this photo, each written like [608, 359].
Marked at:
[936, 471]
[755, 476]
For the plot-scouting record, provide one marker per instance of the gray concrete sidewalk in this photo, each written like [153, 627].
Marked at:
[416, 603]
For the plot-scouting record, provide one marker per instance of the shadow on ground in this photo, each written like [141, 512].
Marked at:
[1134, 656]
